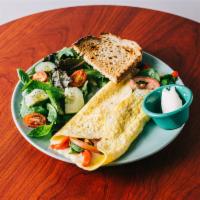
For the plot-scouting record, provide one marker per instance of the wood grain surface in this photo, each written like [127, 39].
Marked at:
[26, 173]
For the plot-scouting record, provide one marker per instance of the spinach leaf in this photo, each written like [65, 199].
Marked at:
[54, 101]
[52, 115]
[25, 110]
[167, 79]
[41, 131]
[150, 72]
[91, 73]
[75, 148]
[23, 76]
[33, 84]
[39, 109]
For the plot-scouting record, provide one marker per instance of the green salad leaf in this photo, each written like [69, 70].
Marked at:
[41, 131]
[39, 109]
[23, 76]
[33, 84]
[25, 110]
[89, 89]
[52, 115]
[91, 73]
[61, 120]
[50, 57]
[150, 72]
[31, 71]
[167, 79]
[66, 52]
[54, 101]
[92, 91]
[95, 82]
[102, 82]
[85, 89]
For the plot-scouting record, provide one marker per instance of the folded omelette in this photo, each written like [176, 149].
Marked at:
[112, 119]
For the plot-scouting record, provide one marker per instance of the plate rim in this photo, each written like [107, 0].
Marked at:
[61, 158]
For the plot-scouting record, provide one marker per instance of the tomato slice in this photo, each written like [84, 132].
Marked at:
[40, 76]
[143, 82]
[175, 74]
[34, 120]
[63, 142]
[78, 78]
[84, 145]
[87, 157]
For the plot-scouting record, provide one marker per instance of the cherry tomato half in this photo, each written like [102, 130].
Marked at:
[175, 74]
[87, 157]
[78, 78]
[63, 142]
[34, 120]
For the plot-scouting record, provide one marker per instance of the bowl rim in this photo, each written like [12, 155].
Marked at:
[168, 114]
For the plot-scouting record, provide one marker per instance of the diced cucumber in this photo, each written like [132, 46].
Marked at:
[45, 66]
[36, 96]
[74, 100]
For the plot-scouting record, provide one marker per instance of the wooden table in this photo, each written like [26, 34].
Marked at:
[26, 173]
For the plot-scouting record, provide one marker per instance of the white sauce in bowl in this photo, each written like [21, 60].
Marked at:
[170, 100]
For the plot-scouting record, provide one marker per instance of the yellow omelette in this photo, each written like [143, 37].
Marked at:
[113, 117]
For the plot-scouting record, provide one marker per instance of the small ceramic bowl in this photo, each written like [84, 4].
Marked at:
[171, 120]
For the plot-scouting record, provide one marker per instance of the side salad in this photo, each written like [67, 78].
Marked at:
[149, 78]
[55, 89]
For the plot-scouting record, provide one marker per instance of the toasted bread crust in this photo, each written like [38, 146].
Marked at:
[112, 56]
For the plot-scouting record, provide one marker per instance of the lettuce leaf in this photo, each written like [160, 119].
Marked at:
[41, 131]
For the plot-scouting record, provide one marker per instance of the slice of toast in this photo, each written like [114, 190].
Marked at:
[112, 56]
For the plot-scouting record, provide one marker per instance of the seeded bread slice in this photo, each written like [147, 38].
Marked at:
[112, 56]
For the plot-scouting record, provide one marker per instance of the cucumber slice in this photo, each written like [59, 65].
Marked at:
[45, 66]
[36, 96]
[74, 100]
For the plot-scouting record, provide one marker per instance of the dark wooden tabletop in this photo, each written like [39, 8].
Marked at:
[26, 173]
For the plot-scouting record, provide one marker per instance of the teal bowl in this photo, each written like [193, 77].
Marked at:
[171, 120]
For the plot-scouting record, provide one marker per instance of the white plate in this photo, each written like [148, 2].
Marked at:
[150, 141]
